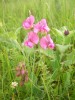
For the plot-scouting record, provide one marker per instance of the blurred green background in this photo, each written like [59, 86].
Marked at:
[57, 12]
[47, 80]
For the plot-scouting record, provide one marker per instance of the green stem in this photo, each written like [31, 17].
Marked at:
[46, 89]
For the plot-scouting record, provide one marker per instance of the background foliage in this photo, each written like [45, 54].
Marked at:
[51, 72]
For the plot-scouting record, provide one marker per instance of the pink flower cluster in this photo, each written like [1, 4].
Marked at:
[33, 36]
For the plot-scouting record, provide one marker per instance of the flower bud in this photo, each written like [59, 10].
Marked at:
[21, 83]
[18, 73]
[66, 32]
[22, 72]
[26, 78]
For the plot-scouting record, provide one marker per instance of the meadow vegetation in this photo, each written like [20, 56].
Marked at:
[51, 72]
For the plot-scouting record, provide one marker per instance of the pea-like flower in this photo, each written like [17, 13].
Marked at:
[41, 27]
[32, 39]
[28, 23]
[47, 42]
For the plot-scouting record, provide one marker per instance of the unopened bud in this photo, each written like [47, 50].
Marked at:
[66, 32]
[26, 78]
[22, 72]
[18, 73]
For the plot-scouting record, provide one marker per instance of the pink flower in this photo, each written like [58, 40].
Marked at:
[28, 23]
[41, 26]
[46, 42]
[32, 39]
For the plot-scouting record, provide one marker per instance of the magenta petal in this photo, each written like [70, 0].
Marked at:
[52, 46]
[43, 42]
[47, 29]
[28, 43]
[46, 42]
[36, 30]
[43, 22]
[28, 23]
[37, 27]
[33, 37]
[48, 37]
[32, 19]
[50, 42]
[44, 26]
[22, 72]
[41, 26]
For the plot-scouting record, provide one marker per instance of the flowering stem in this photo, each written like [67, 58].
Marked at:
[44, 75]
[46, 89]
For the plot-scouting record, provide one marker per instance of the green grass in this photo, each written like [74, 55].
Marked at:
[51, 72]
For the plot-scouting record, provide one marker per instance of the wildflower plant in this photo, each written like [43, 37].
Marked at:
[34, 36]
[43, 68]
[46, 52]
[40, 39]
[22, 73]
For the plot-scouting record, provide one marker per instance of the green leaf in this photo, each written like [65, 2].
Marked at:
[59, 36]
[47, 52]
[66, 79]
[12, 35]
[63, 28]
[69, 38]
[70, 59]
[62, 48]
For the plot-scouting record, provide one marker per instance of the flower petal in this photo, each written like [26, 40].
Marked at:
[28, 23]
[52, 45]
[37, 27]
[41, 26]
[32, 19]
[28, 43]
[43, 42]
[33, 37]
